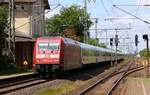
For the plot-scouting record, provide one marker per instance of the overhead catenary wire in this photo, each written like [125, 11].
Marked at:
[117, 13]
[138, 8]
[106, 10]
[104, 7]
[144, 5]
[110, 21]
[132, 15]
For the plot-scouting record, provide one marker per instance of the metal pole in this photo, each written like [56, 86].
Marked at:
[106, 38]
[116, 49]
[11, 22]
[85, 23]
[111, 58]
[145, 37]
[96, 21]
[13, 29]
[9, 33]
[147, 58]
[116, 55]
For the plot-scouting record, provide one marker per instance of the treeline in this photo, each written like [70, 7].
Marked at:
[144, 53]
[70, 22]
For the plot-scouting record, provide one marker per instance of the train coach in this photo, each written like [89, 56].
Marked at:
[53, 54]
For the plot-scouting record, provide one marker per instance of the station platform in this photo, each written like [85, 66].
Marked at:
[137, 83]
[15, 75]
[137, 86]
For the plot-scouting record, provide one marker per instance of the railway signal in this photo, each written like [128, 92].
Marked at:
[145, 37]
[111, 44]
[111, 41]
[136, 40]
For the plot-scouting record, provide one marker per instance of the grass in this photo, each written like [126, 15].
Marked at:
[58, 90]
[61, 88]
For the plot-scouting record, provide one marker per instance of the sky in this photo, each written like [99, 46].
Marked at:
[104, 10]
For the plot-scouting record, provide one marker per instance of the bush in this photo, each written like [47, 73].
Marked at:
[8, 67]
[144, 53]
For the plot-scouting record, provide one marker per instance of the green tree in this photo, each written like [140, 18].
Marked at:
[144, 53]
[102, 45]
[72, 16]
[96, 43]
[3, 22]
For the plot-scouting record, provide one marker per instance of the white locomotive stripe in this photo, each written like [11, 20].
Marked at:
[54, 56]
[40, 56]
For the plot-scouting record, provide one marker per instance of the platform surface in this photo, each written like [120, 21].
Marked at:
[137, 86]
[15, 75]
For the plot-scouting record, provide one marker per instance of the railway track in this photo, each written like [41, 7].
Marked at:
[16, 85]
[12, 87]
[122, 72]
[12, 84]
[126, 73]
[11, 79]
[121, 76]
[7, 88]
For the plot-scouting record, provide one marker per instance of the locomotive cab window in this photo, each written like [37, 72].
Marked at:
[48, 46]
[42, 46]
[53, 46]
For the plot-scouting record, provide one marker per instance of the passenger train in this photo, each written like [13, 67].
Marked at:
[61, 54]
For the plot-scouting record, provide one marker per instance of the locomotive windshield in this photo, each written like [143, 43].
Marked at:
[43, 46]
[53, 46]
[48, 46]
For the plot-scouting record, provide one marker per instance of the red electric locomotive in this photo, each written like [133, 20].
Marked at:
[53, 54]
[56, 54]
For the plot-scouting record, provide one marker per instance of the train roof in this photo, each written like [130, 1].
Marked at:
[83, 45]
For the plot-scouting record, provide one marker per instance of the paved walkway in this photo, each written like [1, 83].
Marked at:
[15, 75]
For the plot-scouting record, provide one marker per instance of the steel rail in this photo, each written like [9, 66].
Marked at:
[16, 78]
[108, 76]
[123, 76]
[22, 86]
